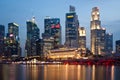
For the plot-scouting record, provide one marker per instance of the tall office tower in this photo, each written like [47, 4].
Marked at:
[103, 42]
[52, 33]
[72, 25]
[2, 35]
[33, 34]
[39, 47]
[109, 43]
[97, 33]
[117, 46]
[12, 41]
[82, 38]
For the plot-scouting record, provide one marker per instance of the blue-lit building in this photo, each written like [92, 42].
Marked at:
[33, 34]
[52, 33]
[2, 35]
[71, 28]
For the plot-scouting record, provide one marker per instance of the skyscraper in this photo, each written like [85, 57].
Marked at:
[52, 33]
[103, 41]
[82, 38]
[97, 33]
[117, 46]
[109, 43]
[33, 34]
[12, 40]
[71, 28]
[2, 35]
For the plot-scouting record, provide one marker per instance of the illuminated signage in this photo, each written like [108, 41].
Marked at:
[71, 16]
[55, 26]
[11, 35]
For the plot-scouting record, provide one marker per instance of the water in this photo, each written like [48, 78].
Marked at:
[59, 72]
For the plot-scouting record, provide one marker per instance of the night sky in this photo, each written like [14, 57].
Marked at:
[20, 11]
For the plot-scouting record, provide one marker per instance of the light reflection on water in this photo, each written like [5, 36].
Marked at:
[59, 72]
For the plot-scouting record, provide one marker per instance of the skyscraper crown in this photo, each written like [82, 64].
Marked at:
[72, 9]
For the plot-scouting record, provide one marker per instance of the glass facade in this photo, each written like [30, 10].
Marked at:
[71, 32]
[109, 43]
[2, 35]
[12, 41]
[118, 46]
[52, 33]
[33, 34]
[82, 38]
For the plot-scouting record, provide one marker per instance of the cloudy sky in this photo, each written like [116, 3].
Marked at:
[20, 11]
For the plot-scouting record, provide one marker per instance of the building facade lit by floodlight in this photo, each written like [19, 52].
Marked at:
[97, 33]
[82, 38]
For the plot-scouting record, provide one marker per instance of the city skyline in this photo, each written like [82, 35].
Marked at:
[20, 12]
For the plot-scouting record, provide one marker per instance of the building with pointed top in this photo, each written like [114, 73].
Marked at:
[101, 43]
[33, 34]
[97, 33]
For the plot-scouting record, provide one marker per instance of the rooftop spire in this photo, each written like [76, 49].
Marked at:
[33, 19]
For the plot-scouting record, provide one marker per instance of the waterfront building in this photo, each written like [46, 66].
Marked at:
[12, 41]
[33, 34]
[71, 28]
[97, 33]
[82, 37]
[48, 42]
[82, 41]
[117, 46]
[109, 43]
[103, 41]
[63, 54]
[39, 47]
[2, 35]
[52, 34]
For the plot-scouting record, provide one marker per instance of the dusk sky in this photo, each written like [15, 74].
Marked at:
[20, 11]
